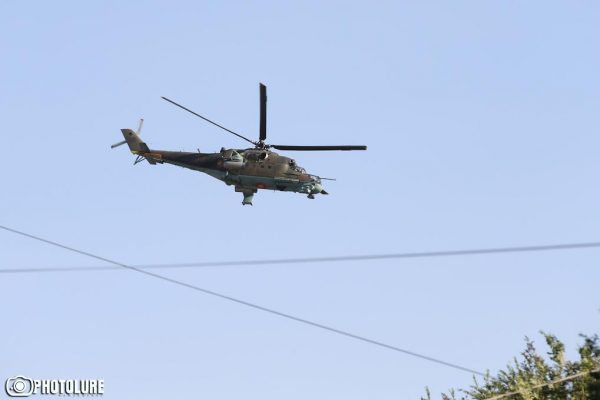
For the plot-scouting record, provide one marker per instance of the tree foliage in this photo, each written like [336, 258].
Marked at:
[531, 377]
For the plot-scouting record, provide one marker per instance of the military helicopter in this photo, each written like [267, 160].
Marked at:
[246, 169]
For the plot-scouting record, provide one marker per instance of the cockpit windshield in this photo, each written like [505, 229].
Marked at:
[296, 167]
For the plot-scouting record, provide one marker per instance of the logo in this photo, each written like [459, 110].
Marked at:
[21, 386]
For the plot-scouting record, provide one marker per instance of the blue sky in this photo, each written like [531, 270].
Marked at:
[481, 121]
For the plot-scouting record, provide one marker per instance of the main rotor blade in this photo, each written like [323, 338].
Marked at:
[208, 120]
[263, 112]
[317, 148]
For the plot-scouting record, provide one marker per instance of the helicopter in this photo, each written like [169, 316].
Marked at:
[248, 170]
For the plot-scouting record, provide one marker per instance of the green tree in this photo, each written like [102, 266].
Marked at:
[540, 378]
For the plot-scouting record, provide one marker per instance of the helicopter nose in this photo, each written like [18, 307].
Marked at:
[317, 188]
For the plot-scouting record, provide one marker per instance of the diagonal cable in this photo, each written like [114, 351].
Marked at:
[245, 303]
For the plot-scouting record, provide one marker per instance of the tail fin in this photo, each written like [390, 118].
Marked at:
[135, 143]
[132, 138]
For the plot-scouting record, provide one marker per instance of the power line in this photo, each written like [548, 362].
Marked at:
[310, 260]
[245, 303]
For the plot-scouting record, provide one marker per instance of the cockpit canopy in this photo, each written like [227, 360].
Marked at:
[232, 159]
[296, 167]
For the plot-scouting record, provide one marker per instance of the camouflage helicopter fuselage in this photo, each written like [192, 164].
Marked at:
[246, 169]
